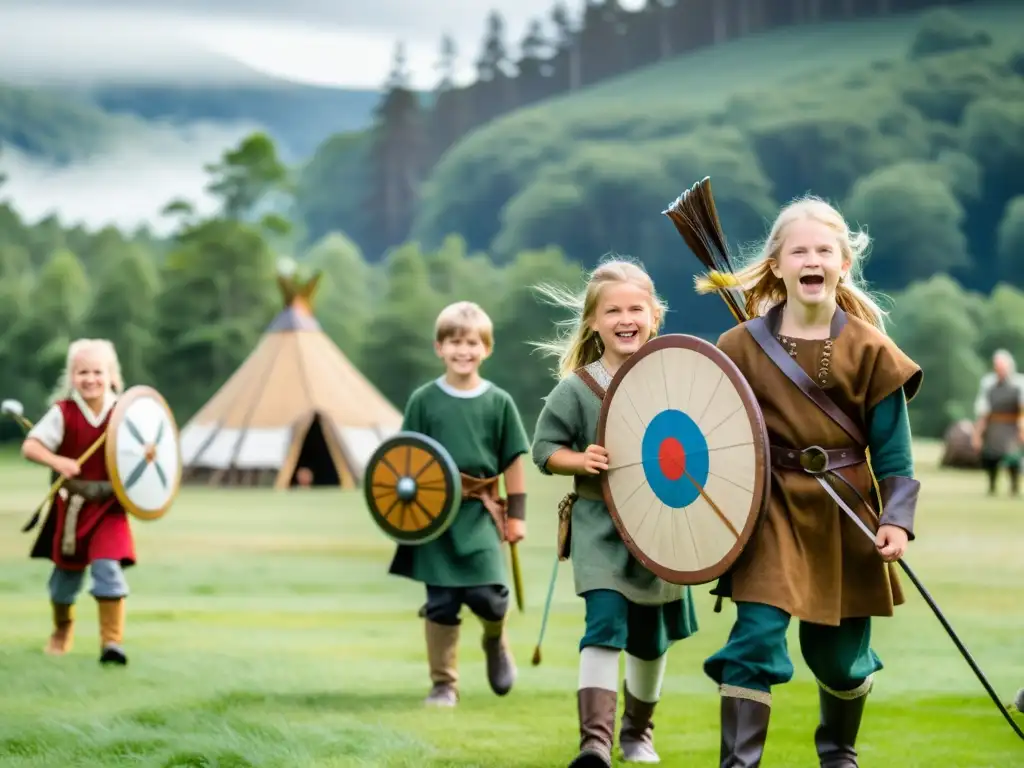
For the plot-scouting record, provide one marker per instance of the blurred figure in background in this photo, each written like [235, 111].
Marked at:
[999, 420]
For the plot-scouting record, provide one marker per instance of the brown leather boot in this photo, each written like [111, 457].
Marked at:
[636, 737]
[62, 638]
[836, 734]
[501, 667]
[112, 631]
[442, 655]
[744, 729]
[597, 727]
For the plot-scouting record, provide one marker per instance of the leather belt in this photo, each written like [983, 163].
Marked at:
[588, 487]
[1004, 417]
[816, 460]
[90, 490]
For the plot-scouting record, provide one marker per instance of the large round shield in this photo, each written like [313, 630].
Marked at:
[688, 474]
[143, 453]
[412, 487]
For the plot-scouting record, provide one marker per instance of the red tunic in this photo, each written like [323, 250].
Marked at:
[102, 531]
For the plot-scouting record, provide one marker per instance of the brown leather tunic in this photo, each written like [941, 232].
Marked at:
[808, 558]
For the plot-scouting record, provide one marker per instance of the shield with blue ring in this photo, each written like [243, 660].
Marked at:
[688, 451]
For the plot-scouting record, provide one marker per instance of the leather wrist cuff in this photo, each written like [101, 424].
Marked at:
[517, 506]
[899, 502]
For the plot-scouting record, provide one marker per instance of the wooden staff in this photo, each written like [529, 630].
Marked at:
[517, 574]
[547, 610]
[60, 481]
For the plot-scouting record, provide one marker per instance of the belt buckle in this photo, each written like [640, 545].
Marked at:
[814, 460]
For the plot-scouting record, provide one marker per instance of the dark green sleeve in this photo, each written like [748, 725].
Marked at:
[889, 438]
[412, 420]
[514, 442]
[892, 461]
[556, 425]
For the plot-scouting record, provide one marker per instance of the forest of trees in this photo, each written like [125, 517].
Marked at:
[602, 42]
[184, 313]
[928, 151]
[924, 148]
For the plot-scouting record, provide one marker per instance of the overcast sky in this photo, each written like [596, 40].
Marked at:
[333, 42]
[343, 42]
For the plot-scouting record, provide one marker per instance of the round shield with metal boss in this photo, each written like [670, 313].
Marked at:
[412, 487]
[688, 476]
[143, 453]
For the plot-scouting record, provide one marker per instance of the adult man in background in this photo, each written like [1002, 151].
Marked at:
[999, 420]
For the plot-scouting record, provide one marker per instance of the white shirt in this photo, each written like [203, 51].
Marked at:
[49, 430]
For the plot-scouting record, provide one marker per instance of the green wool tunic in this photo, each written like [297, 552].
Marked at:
[482, 431]
[600, 559]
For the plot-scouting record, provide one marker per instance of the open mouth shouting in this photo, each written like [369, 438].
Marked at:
[812, 284]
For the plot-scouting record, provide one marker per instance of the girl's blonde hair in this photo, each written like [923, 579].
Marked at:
[579, 345]
[101, 347]
[763, 290]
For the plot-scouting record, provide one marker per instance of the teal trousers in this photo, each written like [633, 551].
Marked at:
[643, 631]
[756, 656]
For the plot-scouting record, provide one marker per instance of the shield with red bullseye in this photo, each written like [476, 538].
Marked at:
[688, 476]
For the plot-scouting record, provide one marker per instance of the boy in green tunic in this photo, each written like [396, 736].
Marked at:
[479, 426]
[628, 608]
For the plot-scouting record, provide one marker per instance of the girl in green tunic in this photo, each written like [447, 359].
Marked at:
[628, 608]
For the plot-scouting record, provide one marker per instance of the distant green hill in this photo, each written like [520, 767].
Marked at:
[684, 108]
[60, 123]
[300, 117]
[54, 127]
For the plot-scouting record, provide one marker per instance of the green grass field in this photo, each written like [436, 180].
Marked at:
[264, 631]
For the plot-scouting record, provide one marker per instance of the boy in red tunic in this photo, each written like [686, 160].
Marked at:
[86, 526]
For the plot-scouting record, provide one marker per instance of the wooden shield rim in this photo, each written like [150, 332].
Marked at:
[453, 488]
[762, 467]
[110, 451]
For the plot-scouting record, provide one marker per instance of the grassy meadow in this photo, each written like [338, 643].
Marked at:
[264, 631]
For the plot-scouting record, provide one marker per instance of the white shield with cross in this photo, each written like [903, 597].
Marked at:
[143, 453]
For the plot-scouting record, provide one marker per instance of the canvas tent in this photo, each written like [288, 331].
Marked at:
[295, 406]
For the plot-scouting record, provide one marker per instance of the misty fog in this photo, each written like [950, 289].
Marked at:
[127, 185]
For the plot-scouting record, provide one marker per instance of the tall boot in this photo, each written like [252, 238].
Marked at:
[62, 638]
[744, 728]
[836, 734]
[443, 656]
[501, 667]
[597, 727]
[112, 630]
[636, 737]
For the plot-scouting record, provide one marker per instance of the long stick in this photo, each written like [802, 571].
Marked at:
[25, 423]
[931, 604]
[59, 482]
[517, 575]
[694, 217]
[547, 610]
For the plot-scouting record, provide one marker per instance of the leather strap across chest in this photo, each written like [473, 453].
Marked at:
[762, 334]
[814, 460]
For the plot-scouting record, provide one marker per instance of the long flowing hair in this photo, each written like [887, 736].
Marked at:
[763, 290]
[578, 344]
[105, 350]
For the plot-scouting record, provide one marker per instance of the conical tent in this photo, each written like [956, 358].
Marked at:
[295, 412]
